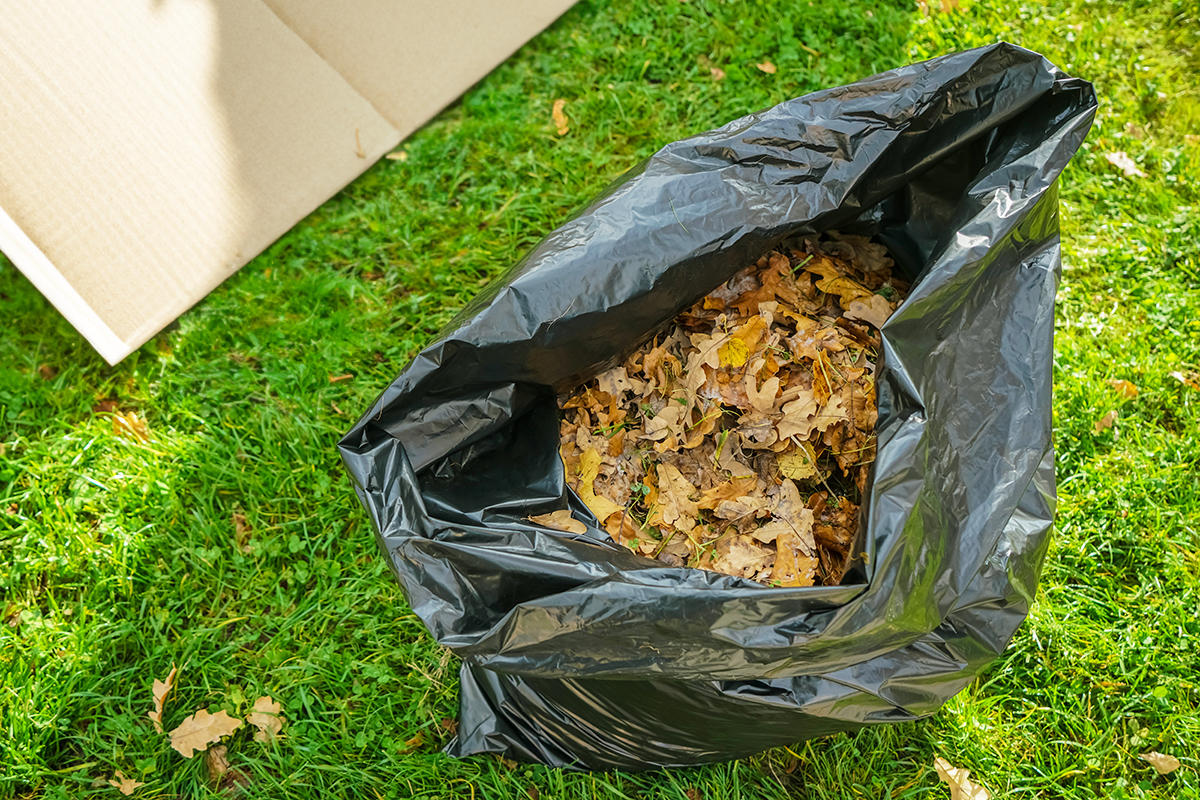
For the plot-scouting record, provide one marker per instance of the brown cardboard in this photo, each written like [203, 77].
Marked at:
[150, 148]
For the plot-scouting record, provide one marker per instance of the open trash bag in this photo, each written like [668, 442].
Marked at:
[577, 652]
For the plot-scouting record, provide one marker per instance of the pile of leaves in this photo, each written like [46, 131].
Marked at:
[740, 441]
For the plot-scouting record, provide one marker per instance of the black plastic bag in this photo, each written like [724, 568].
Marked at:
[576, 652]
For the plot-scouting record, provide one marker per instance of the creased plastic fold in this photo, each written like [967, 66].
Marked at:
[579, 654]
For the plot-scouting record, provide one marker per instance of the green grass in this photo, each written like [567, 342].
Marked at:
[120, 556]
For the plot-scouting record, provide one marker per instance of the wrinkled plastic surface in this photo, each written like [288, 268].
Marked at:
[577, 653]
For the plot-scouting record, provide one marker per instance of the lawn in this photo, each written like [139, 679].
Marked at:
[226, 540]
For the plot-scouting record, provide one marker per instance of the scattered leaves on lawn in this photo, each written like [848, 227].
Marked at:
[1124, 388]
[200, 730]
[1123, 162]
[766, 67]
[1163, 764]
[131, 426]
[266, 716]
[560, 521]
[125, 786]
[959, 781]
[731, 441]
[161, 689]
[1105, 422]
[561, 124]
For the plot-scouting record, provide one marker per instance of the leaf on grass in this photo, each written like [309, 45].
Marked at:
[216, 762]
[561, 123]
[124, 785]
[131, 426]
[200, 730]
[266, 715]
[717, 73]
[1123, 162]
[767, 67]
[1124, 388]
[161, 689]
[959, 781]
[1163, 764]
[1190, 379]
[241, 532]
[1105, 422]
[560, 521]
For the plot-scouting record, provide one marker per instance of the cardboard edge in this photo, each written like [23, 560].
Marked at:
[33, 263]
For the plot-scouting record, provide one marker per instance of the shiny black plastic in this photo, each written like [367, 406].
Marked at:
[579, 654]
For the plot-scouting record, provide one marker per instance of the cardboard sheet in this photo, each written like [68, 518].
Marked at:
[150, 148]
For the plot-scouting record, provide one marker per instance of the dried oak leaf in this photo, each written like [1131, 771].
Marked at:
[1105, 422]
[560, 521]
[741, 556]
[161, 689]
[1124, 388]
[266, 715]
[200, 730]
[959, 781]
[767, 67]
[589, 469]
[241, 532]
[1163, 764]
[125, 786]
[676, 508]
[875, 310]
[216, 763]
[561, 123]
[1123, 162]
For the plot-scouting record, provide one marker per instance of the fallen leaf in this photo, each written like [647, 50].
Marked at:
[48, 372]
[733, 353]
[1190, 380]
[400, 155]
[124, 785]
[1123, 162]
[677, 508]
[216, 762]
[413, 743]
[560, 521]
[589, 469]
[161, 689]
[1105, 422]
[959, 781]
[1135, 130]
[241, 533]
[340, 378]
[266, 715]
[130, 426]
[1163, 764]
[766, 67]
[800, 463]
[1124, 388]
[717, 73]
[561, 123]
[874, 310]
[196, 732]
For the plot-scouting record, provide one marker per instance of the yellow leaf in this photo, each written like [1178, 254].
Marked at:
[799, 464]
[847, 289]
[130, 426]
[733, 353]
[1163, 764]
[959, 781]
[265, 715]
[560, 521]
[589, 469]
[161, 689]
[873, 310]
[676, 508]
[1105, 422]
[794, 565]
[1125, 388]
[560, 117]
[201, 729]
[124, 785]
[766, 67]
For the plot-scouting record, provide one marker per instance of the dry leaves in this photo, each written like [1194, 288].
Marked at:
[125, 786]
[201, 729]
[560, 521]
[1188, 379]
[1163, 764]
[216, 762]
[1124, 388]
[959, 781]
[731, 442]
[161, 689]
[561, 123]
[241, 532]
[1105, 422]
[767, 67]
[1123, 162]
[265, 715]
